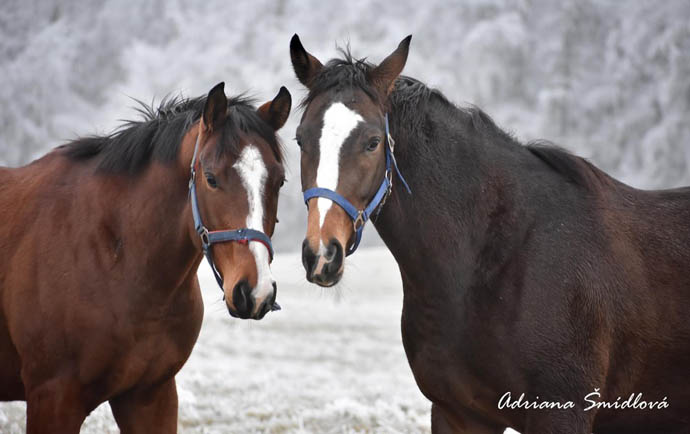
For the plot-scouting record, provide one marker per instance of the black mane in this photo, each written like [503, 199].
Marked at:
[576, 169]
[157, 136]
[410, 101]
[342, 73]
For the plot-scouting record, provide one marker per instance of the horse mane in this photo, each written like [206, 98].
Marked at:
[342, 74]
[159, 132]
[411, 100]
[575, 169]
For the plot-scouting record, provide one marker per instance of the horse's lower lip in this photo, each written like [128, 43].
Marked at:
[263, 312]
[235, 314]
[326, 283]
[273, 308]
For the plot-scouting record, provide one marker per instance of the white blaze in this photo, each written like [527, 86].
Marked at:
[252, 170]
[338, 123]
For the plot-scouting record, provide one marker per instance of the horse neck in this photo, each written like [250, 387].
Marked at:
[463, 210]
[160, 209]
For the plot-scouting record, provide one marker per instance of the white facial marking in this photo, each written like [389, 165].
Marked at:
[252, 170]
[338, 123]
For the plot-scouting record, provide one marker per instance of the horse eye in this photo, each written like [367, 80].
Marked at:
[373, 144]
[282, 182]
[211, 180]
[299, 141]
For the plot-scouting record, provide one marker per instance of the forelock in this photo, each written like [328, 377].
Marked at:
[340, 75]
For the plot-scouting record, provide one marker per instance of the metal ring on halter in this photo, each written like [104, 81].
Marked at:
[358, 223]
[204, 237]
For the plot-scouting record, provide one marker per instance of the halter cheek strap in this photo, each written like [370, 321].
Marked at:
[360, 217]
[208, 238]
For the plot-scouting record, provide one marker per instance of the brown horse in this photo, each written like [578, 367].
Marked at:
[525, 269]
[99, 299]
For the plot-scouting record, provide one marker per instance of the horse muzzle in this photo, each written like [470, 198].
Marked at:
[244, 303]
[324, 267]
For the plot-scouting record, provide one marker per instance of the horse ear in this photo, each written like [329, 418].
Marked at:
[305, 65]
[216, 108]
[275, 113]
[383, 76]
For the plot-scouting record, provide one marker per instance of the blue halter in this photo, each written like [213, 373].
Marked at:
[360, 217]
[208, 238]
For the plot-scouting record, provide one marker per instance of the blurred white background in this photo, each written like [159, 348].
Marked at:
[608, 80]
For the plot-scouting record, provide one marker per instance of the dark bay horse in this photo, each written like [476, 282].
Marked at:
[525, 269]
[99, 299]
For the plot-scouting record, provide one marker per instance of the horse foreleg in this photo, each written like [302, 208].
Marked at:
[55, 407]
[443, 422]
[145, 411]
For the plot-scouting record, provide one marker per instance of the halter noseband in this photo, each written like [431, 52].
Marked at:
[208, 238]
[360, 217]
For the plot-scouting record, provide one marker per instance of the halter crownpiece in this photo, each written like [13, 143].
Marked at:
[360, 217]
[208, 238]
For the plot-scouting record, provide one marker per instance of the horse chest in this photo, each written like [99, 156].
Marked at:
[137, 350]
[164, 342]
[427, 349]
[446, 355]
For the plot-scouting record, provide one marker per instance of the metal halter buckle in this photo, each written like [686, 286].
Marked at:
[389, 190]
[358, 223]
[203, 234]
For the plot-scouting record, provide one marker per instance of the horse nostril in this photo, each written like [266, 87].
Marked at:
[335, 255]
[332, 249]
[308, 258]
[242, 299]
[264, 310]
[273, 303]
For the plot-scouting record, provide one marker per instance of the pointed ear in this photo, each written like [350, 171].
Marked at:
[275, 113]
[305, 65]
[215, 109]
[383, 76]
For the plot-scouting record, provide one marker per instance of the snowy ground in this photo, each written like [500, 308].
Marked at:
[330, 362]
